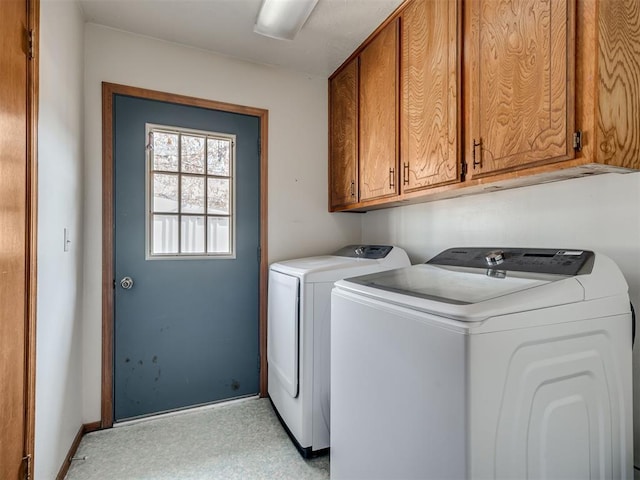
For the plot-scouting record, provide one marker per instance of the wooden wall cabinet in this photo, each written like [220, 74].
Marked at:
[608, 82]
[519, 86]
[343, 137]
[378, 106]
[551, 92]
[430, 113]
[425, 40]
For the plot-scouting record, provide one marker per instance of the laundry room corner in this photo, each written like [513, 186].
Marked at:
[600, 213]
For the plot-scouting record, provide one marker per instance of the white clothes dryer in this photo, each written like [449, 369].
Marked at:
[298, 335]
[483, 363]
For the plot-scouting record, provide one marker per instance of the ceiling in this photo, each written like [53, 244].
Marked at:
[332, 32]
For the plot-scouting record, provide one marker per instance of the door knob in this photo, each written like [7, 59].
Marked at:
[126, 283]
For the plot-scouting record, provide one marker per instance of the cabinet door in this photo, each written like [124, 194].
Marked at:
[343, 135]
[519, 87]
[378, 115]
[429, 151]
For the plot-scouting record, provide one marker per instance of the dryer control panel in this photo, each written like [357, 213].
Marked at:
[372, 252]
[536, 260]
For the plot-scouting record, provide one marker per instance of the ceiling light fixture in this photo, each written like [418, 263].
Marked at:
[283, 19]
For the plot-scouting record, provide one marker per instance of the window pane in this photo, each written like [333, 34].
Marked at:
[219, 235]
[218, 154]
[192, 240]
[165, 193]
[192, 154]
[192, 194]
[218, 196]
[165, 234]
[165, 151]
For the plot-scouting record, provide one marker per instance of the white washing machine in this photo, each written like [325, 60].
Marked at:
[298, 334]
[483, 363]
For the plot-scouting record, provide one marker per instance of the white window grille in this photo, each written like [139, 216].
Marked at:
[190, 193]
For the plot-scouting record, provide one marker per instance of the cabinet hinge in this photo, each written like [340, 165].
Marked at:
[463, 173]
[26, 466]
[30, 49]
[577, 140]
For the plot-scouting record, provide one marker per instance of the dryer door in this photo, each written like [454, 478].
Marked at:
[283, 329]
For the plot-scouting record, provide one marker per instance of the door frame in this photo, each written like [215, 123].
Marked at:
[108, 278]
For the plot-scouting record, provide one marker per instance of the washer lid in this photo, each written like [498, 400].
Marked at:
[454, 285]
[324, 263]
[466, 294]
[472, 294]
[329, 268]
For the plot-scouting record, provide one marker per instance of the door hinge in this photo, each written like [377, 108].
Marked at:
[577, 140]
[259, 254]
[26, 466]
[259, 365]
[30, 49]
[259, 146]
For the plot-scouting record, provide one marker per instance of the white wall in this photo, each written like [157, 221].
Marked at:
[299, 224]
[600, 213]
[60, 170]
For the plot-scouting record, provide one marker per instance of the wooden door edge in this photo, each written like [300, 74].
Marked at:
[108, 91]
[33, 85]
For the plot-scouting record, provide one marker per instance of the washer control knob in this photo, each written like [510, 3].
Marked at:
[495, 257]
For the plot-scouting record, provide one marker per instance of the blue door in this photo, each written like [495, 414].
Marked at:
[187, 230]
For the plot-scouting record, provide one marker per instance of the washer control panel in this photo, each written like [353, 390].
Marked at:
[536, 260]
[372, 252]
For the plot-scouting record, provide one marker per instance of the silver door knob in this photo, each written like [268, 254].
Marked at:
[126, 283]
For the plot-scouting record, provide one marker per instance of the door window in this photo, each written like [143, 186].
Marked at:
[191, 194]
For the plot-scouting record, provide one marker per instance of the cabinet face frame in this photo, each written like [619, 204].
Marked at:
[431, 100]
[343, 136]
[478, 144]
[378, 174]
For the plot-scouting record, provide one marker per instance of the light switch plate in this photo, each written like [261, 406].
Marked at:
[66, 240]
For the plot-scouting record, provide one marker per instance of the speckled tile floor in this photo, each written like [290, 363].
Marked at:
[242, 440]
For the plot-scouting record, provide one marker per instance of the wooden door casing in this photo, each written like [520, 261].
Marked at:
[343, 128]
[519, 87]
[430, 82]
[18, 101]
[109, 90]
[378, 133]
